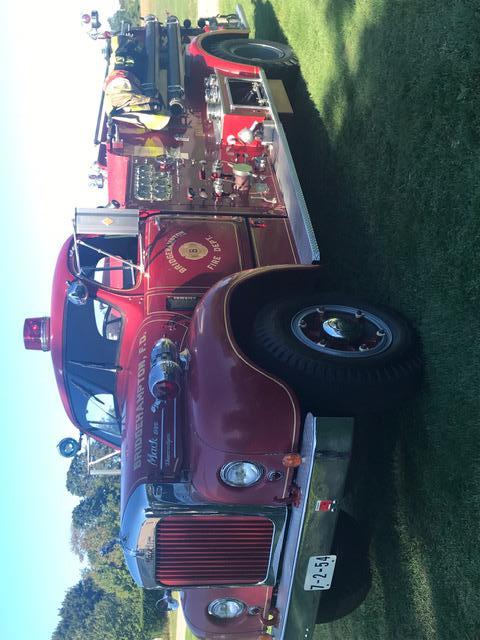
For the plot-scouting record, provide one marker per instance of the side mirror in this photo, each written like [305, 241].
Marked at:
[68, 447]
[77, 292]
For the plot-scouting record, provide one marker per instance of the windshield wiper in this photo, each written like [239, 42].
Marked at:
[97, 365]
[97, 401]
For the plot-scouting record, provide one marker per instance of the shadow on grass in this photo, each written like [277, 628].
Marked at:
[316, 164]
[390, 178]
[267, 26]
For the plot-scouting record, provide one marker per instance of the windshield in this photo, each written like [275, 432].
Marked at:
[90, 345]
[109, 270]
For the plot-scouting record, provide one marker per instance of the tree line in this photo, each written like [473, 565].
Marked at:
[129, 12]
[105, 604]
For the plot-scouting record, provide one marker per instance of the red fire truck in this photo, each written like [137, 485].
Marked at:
[190, 329]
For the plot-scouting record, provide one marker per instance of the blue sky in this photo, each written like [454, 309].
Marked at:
[51, 76]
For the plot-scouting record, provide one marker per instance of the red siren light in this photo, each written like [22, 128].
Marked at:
[36, 334]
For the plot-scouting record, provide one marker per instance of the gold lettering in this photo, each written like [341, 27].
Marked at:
[140, 403]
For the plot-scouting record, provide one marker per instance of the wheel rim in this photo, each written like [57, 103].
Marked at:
[346, 332]
[256, 51]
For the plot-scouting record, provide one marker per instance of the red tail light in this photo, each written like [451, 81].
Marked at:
[166, 390]
[36, 334]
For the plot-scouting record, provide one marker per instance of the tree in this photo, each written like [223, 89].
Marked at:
[89, 613]
[105, 604]
[129, 12]
[88, 510]
[79, 482]
[79, 603]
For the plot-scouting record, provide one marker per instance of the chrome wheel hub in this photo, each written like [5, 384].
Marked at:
[342, 331]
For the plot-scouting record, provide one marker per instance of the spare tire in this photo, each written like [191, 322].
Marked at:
[261, 53]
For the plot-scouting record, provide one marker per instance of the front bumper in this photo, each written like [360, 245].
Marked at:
[326, 450]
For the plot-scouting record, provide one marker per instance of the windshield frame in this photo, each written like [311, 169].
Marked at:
[83, 241]
[78, 382]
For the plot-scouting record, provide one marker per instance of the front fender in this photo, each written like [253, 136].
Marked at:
[248, 627]
[234, 406]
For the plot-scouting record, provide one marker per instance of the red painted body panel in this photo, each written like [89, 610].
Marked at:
[228, 387]
[206, 463]
[194, 252]
[272, 242]
[256, 416]
[152, 448]
[117, 166]
[243, 424]
[233, 123]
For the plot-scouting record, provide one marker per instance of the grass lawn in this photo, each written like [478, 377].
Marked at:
[172, 625]
[180, 8]
[386, 142]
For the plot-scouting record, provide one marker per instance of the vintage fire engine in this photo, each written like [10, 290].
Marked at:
[190, 329]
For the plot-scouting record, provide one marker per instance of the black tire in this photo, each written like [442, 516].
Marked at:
[352, 578]
[342, 376]
[262, 53]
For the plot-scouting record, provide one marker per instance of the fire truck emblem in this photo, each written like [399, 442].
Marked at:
[107, 221]
[193, 250]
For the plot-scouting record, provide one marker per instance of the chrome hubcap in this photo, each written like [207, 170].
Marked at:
[342, 328]
[342, 331]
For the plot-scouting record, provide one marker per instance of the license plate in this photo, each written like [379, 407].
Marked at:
[320, 573]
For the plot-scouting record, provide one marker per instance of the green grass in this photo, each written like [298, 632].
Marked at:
[386, 143]
[172, 625]
[180, 8]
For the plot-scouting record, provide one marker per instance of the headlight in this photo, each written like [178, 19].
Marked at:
[241, 473]
[226, 608]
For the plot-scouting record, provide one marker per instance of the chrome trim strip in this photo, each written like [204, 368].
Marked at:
[233, 105]
[290, 186]
[45, 334]
[162, 426]
[174, 428]
[303, 480]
